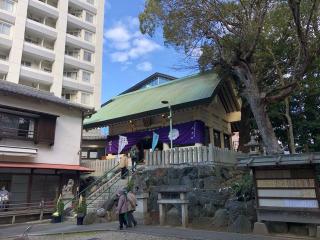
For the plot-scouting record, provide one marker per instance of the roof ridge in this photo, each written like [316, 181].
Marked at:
[161, 85]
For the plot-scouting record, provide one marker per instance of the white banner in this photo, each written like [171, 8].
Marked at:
[123, 141]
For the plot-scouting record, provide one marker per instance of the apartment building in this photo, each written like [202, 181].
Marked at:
[54, 45]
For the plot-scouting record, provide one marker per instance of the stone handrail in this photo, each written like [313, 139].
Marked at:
[192, 156]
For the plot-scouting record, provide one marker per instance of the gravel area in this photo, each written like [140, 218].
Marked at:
[102, 236]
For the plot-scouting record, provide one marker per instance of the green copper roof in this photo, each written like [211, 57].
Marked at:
[180, 92]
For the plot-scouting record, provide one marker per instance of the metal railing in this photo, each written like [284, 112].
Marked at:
[26, 209]
[94, 186]
[16, 133]
[110, 188]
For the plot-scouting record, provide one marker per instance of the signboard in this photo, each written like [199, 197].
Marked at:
[289, 188]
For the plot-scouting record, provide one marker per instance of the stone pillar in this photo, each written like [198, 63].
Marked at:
[142, 208]
[165, 146]
[184, 211]
[260, 228]
[162, 211]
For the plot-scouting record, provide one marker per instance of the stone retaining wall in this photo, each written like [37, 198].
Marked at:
[212, 202]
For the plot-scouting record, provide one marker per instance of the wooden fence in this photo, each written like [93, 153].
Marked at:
[192, 155]
[14, 210]
[100, 166]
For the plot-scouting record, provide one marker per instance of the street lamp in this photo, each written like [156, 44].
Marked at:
[170, 118]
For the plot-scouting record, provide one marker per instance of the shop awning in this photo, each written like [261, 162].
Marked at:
[44, 166]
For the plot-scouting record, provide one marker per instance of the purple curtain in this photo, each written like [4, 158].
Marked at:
[183, 134]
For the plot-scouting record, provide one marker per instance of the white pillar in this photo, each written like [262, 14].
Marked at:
[59, 47]
[17, 37]
[165, 146]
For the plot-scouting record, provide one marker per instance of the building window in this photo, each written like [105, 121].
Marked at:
[3, 76]
[16, 126]
[75, 33]
[226, 140]
[72, 75]
[87, 56]
[72, 52]
[88, 36]
[84, 155]
[86, 76]
[93, 154]
[217, 138]
[85, 98]
[5, 28]
[26, 63]
[89, 17]
[66, 96]
[7, 5]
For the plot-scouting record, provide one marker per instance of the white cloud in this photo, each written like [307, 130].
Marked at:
[119, 57]
[118, 33]
[125, 42]
[142, 46]
[144, 66]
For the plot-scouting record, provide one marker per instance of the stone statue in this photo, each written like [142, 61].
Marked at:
[67, 189]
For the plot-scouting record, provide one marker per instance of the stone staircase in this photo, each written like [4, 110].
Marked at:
[105, 192]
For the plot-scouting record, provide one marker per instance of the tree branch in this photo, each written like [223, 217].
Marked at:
[280, 96]
[313, 9]
[260, 26]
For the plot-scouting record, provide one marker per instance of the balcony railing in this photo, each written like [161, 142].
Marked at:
[76, 14]
[74, 33]
[51, 3]
[40, 44]
[43, 21]
[73, 54]
[17, 133]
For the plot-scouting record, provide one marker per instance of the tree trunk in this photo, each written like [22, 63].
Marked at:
[244, 131]
[291, 144]
[258, 107]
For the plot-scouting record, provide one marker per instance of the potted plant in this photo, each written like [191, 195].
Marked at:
[81, 210]
[58, 211]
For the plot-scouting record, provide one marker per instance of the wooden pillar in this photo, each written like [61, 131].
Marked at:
[30, 186]
[222, 140]
[77, 187]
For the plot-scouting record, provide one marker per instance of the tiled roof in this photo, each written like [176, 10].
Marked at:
[179, 93]
[18, 89]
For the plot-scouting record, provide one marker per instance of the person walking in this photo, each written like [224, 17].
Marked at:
[132, 203]
[134, 153]
[122, 208]
[123, 166]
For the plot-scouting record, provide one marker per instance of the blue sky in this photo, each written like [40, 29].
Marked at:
[129, 56]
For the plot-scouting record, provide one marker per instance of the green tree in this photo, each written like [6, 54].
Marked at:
[232, 36]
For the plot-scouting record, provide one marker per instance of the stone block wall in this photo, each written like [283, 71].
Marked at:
[212, 202]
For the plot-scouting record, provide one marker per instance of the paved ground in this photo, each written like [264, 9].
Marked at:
[70, 231]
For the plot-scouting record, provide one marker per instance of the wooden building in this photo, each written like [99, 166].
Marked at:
[40, 137]
[202, 104]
